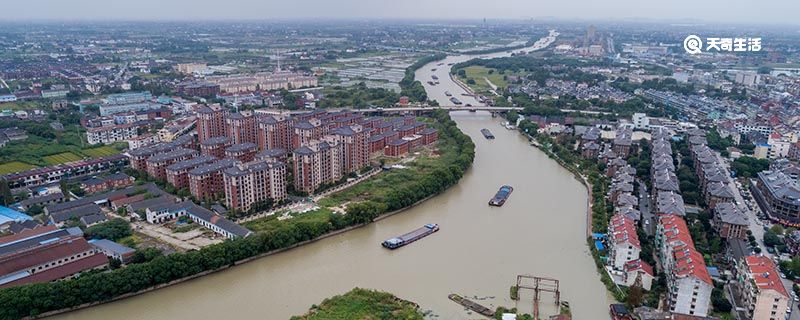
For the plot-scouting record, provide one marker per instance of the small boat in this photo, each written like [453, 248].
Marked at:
[410, 237]
[469, 304]
[447, 93]
[487, 134]
[501, 196]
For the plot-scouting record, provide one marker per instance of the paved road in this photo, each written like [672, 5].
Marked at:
[645, 209]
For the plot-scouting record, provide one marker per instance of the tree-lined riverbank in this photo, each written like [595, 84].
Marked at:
[36, 299]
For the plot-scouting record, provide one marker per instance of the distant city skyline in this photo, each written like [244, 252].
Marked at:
[732, 11]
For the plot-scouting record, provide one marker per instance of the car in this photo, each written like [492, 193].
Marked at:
[783, 276]
[796, 299]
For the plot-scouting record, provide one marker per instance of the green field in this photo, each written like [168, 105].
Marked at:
[480, 74]
[271, 223]
[23, 105]
[98, 152]
[60, 158]
[15, 166]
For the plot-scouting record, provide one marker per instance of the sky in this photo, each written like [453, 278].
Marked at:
[726, 11]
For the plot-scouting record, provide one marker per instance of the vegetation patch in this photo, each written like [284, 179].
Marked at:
[15, 166]
[99, 152]
[363, 304]
[60, 158]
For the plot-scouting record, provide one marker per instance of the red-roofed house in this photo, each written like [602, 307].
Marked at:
[688, 280]
[623, 242]
[638, 272]
[762, 290]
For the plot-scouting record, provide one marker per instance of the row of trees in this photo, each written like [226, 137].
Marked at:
[35, 299]
[411, 88]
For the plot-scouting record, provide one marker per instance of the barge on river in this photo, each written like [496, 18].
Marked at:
[487, 134]
[410, 237]
[501, 196]
[469, 304]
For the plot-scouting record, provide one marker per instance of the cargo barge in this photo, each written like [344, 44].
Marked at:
[410, 237]
[487, 134]
[501, 196]
[469, 304]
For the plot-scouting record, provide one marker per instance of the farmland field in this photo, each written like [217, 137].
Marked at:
[15, 166]
[98, 152]
[60, 158]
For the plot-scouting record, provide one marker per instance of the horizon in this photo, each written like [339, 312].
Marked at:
[712, 11]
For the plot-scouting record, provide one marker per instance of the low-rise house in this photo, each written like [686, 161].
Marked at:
[113, 250]
[45, 261]
[44, 200]
[200, 215]
[93, 219]
[62, 217]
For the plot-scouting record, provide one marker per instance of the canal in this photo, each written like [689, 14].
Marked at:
[541, 231]
[478, 251]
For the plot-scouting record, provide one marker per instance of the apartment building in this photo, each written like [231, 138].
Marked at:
[688, 280]
[241, 127]
[112, 133]
[762, 290]
[729, 221]
[353, 139]
[157, 164]
[316, 163]
[306, 131]
[211, 122]
[623, 241]
[215, 146]
[178, 173]
[139, 157]
[243, 152]
[247, 184]
[275, 132]
[778, 196]
[205, 182]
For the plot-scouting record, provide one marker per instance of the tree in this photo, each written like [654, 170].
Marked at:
[113, 230]
[35, 210]
[719, 302]
[771, 239]
[114, 263]
[777, 229]
[5, 192]
[635, 296]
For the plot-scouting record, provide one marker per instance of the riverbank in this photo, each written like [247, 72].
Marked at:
[98, 288]
[595, 207]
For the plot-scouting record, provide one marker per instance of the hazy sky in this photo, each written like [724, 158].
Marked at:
[734, 11]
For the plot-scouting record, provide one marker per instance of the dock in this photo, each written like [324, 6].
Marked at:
[471, 305]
